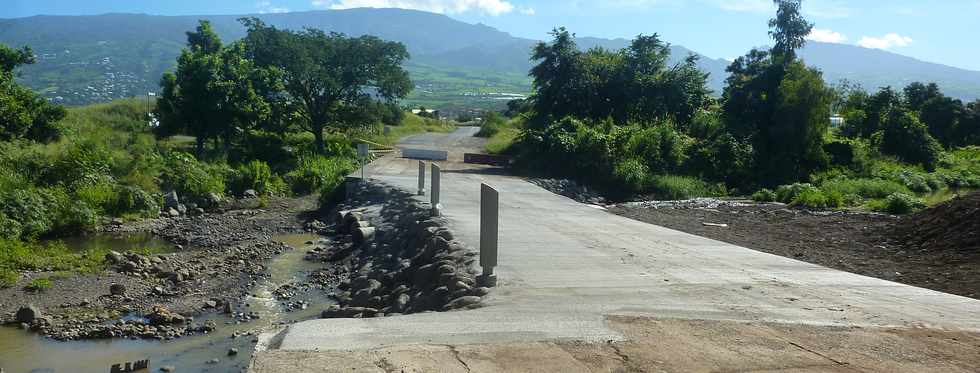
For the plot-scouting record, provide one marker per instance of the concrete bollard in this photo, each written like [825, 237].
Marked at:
[489, 218]
[421, 178]
[434, 192]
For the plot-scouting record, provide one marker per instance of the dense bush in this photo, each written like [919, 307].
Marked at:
[788, 193]
[764, 195]
[255, 175]
[490, 125]
[191, 178]
[898, 203]
[674, 187]
[903, 136]
[866, 188]
[316, 173]
[633, 175]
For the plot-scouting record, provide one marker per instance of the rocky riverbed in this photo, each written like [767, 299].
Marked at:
[216, 259]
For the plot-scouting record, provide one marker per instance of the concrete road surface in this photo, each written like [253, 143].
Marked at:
[566, 268]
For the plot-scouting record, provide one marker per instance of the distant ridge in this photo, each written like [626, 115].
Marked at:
[95, 58]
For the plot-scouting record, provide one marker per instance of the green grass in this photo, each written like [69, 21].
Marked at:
[866, 188]
[8, 277]
[673, 187]
[501, 141]
[411, 125]
[38, 285]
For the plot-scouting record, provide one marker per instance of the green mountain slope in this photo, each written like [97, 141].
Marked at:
[84, 59]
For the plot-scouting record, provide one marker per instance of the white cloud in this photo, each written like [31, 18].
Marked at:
[528, 11]
[885, 42]
[826, 36]
[491, 7]
[267, 7]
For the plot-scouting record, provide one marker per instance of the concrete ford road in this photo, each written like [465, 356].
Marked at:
[572, 272]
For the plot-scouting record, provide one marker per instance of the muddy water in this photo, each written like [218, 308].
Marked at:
[21, 351]
[118, 243]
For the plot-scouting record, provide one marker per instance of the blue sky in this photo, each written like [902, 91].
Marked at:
[943, 31]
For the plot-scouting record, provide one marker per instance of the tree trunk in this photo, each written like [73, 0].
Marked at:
[200, 146]
[318, 135]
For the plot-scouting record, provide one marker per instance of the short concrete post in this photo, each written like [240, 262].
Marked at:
[421, 178]
[434, 192]
[489, 217]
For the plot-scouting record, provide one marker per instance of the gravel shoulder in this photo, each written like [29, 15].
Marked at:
[864, 243]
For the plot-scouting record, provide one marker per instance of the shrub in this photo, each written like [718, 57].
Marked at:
[810, 197]
[867, 188]
[99, 193]
[683, 187]
[764, 195]
[82, 163]
[490, 125]
[788, 193]
[632, 174]
[31, 208]
[661, 147]
[255, 175]
[908, 139]
[190, 178]
[38, 285]
[899, 203]
[135, 200]
[8, 277]
[316, 173]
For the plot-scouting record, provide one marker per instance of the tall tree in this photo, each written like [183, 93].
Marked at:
[553, 77]
[216, 92]
[778, 104]
[329, 79]
[789, 30]
[941, 115]
[191, 99]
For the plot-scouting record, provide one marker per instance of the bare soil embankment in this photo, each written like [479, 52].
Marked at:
[938, 248]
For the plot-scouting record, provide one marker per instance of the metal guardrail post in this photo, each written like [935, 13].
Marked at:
[434, 192]
[489, 218]
[421, 178]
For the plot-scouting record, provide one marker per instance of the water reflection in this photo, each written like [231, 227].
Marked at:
[21, 351]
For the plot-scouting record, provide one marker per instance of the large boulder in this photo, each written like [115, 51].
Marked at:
[170, 200]
[27, 314]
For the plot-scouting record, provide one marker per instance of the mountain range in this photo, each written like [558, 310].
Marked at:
[84, 59]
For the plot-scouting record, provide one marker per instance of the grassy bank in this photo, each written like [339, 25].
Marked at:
[411, 124]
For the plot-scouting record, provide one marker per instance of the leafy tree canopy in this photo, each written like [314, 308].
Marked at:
[24, 114]
[329, 80]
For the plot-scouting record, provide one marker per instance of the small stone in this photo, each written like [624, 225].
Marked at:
[461, 302]
[250, 193]
[168, 368]
[213, 361]
[228, 308]
[232, 352]
[117, 289]
[117, 221]
[210, 304]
